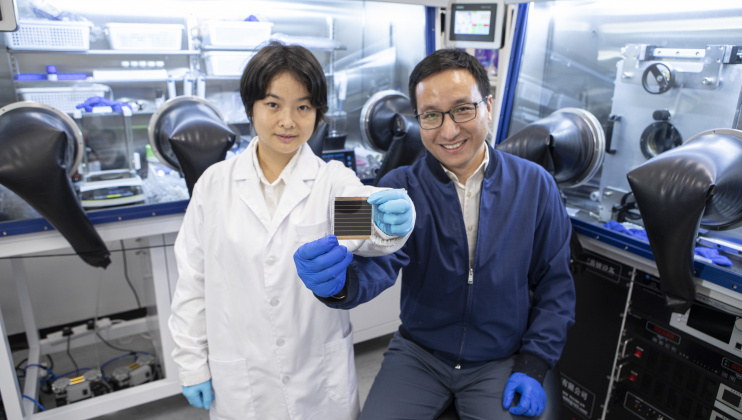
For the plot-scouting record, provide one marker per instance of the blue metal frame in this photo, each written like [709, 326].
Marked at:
[516, 52]
[118, 214]
[709, 272]
[430, 20]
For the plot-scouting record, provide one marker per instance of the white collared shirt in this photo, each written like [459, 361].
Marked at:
[272, 192]
[469, 196]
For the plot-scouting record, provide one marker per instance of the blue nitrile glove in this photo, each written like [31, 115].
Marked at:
[200, 395]
[637, 233]
[321, 265]
[96, 101]
[532, 396]
[713, 255]
[392, 211]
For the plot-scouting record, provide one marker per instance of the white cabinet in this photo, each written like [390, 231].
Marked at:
[155, 235]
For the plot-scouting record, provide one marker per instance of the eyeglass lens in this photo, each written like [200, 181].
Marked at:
[459, 114]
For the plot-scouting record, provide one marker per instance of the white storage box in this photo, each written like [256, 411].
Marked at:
[144, 36]
[235, 33]
[64, 99]
[42, 35]
[226, 63]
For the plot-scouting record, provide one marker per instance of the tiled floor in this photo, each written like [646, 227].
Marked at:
[369, 355]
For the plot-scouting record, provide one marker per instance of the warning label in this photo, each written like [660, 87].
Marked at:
[577, 397]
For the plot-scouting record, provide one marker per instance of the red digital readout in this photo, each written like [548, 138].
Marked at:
[664, 332]
[736, 367]
[671, 336]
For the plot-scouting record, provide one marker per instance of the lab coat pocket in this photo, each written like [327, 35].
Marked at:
[232, 394]
[340, 370]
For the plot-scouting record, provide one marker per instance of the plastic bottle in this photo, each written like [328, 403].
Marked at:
[159, 98]
[51, 72]
[201, 86]
[170, 87]
[188, 85]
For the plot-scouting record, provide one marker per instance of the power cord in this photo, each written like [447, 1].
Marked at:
[126, 275]
[69, 338]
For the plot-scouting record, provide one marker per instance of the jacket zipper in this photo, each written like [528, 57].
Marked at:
[470, 281]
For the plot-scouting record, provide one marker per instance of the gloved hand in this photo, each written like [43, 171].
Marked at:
[96, 101]
[713, 255]
[637, 233]
[200, 395]
[321, 265]
[392, 211]
[532, 396]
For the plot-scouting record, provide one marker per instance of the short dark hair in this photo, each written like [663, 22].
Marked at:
[448, 59]
[277, 58]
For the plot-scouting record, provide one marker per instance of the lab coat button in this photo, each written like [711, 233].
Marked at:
[274, 302]
[280, 342]
[285, 380]
[270, 260]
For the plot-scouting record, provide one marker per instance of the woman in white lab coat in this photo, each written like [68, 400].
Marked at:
[243, 323]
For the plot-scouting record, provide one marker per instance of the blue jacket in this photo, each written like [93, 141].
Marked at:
[518, 298]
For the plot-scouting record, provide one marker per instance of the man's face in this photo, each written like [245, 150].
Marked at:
[458, 146]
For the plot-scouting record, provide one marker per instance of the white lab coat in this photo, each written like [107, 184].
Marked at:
[240, 314]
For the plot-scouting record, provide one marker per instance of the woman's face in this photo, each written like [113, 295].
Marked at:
[284, 119]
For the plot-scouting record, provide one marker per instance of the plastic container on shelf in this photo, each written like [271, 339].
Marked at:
[226, 63]
[144, 36]
[235, 33]
[64, 99]
[43, 35]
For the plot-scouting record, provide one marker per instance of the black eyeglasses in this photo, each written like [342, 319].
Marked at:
[459, 114]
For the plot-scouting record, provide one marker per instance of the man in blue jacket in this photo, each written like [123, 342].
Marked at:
[487, 295]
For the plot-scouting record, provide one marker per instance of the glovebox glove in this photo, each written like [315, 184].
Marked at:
[96, 101]
[200, 395]
[532, 396]
[392, 211]
[321, 265]
[713, 255]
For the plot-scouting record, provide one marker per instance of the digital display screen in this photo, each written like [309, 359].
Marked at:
[663, 332]
[733, 366]
[473, 22]
[712, 322]
[346, 156]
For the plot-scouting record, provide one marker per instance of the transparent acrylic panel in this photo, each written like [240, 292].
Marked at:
[605, 58]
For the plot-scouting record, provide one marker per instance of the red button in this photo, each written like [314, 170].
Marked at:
[638, 353]
[632, 377]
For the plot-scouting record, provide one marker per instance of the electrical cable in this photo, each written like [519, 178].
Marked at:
[69, 338]
[50, 367]
[40, 366]
[41, 407]
[111, 345]
[68, 373]
[126, 275]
